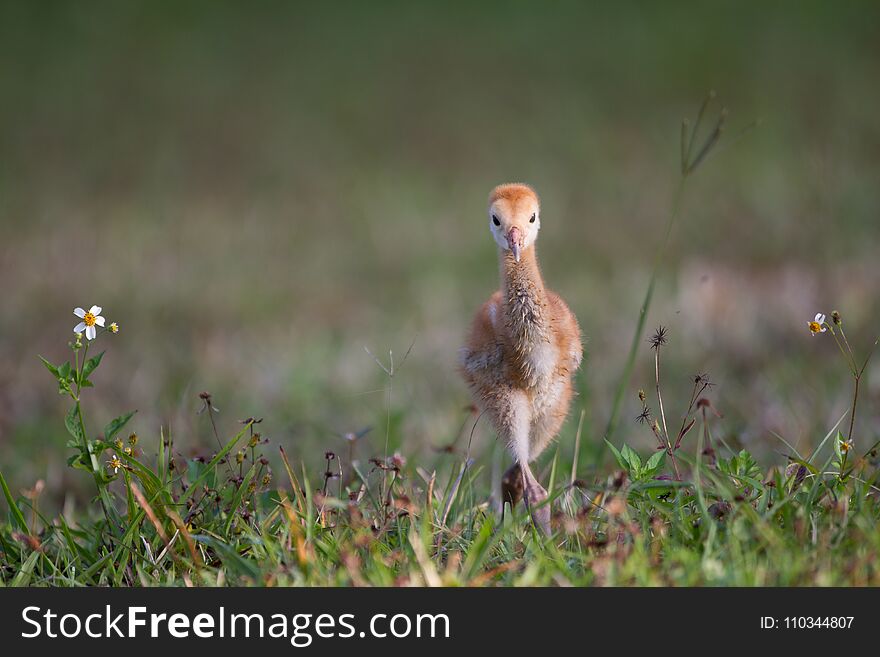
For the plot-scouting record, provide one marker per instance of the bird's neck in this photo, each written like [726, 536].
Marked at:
[524, 298]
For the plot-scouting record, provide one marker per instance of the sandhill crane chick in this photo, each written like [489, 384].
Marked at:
[523, 349]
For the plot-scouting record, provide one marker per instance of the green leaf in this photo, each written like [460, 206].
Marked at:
[116, 425]
[632, 458]
[76, 461]
[90, 366]
[617, 455]
[838, 439]
[49, 366]
[655, 462]
[64, 371]
[71, 421]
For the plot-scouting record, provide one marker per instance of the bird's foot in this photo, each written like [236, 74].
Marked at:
[536, 500]
[512, 486]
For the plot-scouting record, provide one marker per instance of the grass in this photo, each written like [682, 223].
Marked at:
[387, 522]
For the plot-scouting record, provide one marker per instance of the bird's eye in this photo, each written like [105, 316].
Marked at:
[495, 220]
[532, 220]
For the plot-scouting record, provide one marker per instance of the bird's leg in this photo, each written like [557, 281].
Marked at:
[516, 423]
[512, 486]
[536, 497]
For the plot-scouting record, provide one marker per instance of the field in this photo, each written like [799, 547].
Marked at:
[286, 207]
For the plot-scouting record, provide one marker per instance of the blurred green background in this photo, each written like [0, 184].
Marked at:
[258, 191]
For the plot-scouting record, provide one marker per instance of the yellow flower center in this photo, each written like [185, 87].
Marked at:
[89, 319]
[815, 327]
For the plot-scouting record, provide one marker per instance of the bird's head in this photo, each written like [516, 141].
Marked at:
[514, 217]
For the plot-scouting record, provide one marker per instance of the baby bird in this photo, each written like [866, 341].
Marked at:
[523, 349]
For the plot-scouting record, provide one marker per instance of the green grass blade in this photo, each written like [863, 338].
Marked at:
[23, 577]
[236, 500]
[228, 447]
[13, 507]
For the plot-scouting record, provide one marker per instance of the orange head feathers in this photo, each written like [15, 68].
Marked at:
[514, 217]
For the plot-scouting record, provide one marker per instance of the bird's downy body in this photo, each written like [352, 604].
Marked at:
[523, 348]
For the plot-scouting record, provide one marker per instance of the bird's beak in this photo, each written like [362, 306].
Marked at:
[514, 242]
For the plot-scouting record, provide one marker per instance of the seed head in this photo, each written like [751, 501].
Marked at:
[659, 338]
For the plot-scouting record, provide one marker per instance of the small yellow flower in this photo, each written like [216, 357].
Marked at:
[114, 463]
[113, 328]
[818, 324]
[845, 446]
[127, 450]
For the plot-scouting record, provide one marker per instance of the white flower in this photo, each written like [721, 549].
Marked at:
[89, 320]
[818, 324]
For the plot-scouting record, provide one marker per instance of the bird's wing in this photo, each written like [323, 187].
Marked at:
[568, 332]
[483, 348]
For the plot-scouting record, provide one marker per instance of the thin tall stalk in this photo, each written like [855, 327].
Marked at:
[857, 372]
[691, 158]
[86, 446]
